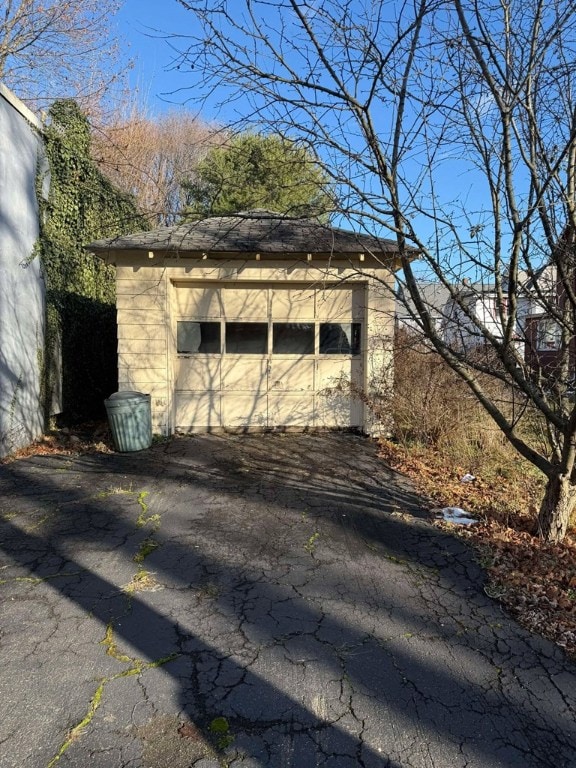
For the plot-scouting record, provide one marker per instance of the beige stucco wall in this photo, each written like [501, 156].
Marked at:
[145, 300]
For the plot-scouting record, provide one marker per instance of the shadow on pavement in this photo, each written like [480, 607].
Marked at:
[369, 645]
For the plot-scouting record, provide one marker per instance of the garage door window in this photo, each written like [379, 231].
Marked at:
[194, 338]
[247, 338]
[340, 338]
[293, 339]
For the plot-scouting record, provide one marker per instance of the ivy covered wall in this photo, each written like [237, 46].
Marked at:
[81, 206]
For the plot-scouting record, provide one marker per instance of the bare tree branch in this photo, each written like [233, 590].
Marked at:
[54, 49]
[452, 126]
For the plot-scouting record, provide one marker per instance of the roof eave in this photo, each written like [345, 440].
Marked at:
[383, 259]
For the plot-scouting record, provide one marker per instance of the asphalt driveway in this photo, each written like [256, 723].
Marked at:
[256, 601]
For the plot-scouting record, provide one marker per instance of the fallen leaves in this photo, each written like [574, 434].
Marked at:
[536, 581]
[89, 438]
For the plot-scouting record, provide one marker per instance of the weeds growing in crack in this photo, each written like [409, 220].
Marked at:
[111, 648]
[137, 666]
[40, 579]
[78, 729]
[208, 590]
[310, 545]
[142, 581]
[146, 548]
[220, 729]
[394, 559]
[142, 517]
[141, 498]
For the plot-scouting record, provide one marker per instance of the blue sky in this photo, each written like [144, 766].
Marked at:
[158, 82]
[143, 26]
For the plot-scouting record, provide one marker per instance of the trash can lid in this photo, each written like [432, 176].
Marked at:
[126, 395]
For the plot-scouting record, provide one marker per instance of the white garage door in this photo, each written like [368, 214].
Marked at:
[267, 356]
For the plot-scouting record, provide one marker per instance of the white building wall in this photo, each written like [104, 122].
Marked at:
[22, 305]
[460, 329]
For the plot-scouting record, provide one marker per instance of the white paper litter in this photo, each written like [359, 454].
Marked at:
[468, 478]
[454, 515]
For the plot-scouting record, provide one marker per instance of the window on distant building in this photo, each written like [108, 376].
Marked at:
[548, 334]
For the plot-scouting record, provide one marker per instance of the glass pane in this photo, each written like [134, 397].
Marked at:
[293, 339]
[340, 338]
[549, 334]
[197, 337]
[247, 338]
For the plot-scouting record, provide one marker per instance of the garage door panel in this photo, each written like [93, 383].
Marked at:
[292, 303]
[158, 392]
[290, 410]
[244, 373]
[341, 303]
[245, 303]
[337, 409]
[198, 302]
[330, 371]
[244, 410]
[146, 360]
[292, 374]
[198, 410]
[198, 373]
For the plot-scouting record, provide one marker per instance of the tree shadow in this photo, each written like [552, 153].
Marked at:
[261, 620]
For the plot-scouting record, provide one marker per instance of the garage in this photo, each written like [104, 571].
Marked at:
[255, 322]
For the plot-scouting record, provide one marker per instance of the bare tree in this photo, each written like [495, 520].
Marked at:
[452, 125]
[52, 49]
[151, 157]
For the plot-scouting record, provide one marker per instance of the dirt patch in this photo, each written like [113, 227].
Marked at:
[170, 742]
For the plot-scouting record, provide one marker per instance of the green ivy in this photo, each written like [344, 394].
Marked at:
[82, 206]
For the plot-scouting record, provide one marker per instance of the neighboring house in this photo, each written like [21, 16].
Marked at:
[22, 296]
[434, 296]
[538, 335]
[453, 317]
[255, 321]
[475, 302]
[541, 332]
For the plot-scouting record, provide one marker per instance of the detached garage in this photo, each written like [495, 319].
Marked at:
[254, 321]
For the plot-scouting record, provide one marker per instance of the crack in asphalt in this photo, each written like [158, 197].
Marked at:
[374, 646]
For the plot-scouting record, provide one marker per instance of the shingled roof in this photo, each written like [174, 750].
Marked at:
[248, 232]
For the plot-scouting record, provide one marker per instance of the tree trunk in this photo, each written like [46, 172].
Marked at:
[557, 506]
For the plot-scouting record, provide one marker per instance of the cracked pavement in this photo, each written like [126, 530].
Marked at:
[271, 600]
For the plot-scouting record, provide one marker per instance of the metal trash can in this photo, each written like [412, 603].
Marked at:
[130, 419]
